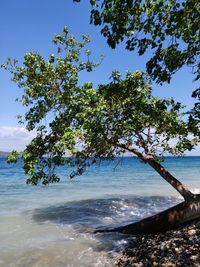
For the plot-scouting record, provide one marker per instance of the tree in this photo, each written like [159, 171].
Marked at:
[169, 28]
[84, 125]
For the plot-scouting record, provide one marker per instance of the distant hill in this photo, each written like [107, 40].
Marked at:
[3, 154]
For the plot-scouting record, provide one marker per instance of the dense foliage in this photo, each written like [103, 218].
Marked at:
[79, 125]
[170, 28]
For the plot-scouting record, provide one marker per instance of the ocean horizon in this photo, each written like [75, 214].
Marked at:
[50, 226]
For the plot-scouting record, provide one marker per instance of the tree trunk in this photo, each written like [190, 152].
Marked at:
[182, 189]
[163, 221]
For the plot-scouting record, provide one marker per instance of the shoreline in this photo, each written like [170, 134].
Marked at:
[174, 248]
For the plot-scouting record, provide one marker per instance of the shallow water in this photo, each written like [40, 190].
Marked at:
[50, 226]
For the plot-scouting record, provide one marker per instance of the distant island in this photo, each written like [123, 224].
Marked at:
[3, 154]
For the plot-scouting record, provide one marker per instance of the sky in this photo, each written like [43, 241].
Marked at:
[30, 26]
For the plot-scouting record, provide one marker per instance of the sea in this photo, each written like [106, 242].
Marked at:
[52, 226]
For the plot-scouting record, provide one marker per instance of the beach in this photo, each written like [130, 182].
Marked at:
[175, 248]
[51, 226]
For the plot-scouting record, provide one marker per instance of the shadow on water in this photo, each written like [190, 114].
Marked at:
[99, 213]
[87, 215]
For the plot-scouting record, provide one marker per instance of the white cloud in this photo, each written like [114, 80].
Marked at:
[14, 138]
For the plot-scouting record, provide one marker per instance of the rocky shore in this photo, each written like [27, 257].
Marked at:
[174, 248]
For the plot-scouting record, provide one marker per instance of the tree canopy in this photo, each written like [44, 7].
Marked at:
[170, 29]
[79, 125]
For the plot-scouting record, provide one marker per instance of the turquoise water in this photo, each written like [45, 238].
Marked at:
[49, 226]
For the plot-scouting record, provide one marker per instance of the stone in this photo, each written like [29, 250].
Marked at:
[169, 264]
[192, 232]
[194, 257]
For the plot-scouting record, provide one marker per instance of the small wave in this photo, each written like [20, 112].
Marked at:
[94, 213]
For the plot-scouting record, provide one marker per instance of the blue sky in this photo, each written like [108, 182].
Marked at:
[30, 26]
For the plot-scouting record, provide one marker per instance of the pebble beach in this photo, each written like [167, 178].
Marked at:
[175, 248]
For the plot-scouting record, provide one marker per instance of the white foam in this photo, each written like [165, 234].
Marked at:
[107, 219]
[195, 190]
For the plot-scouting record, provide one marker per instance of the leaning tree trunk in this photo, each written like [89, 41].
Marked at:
[163, 221]
[182, 189]
[171, 218]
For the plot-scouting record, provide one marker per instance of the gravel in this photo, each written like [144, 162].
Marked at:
[174, 248]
